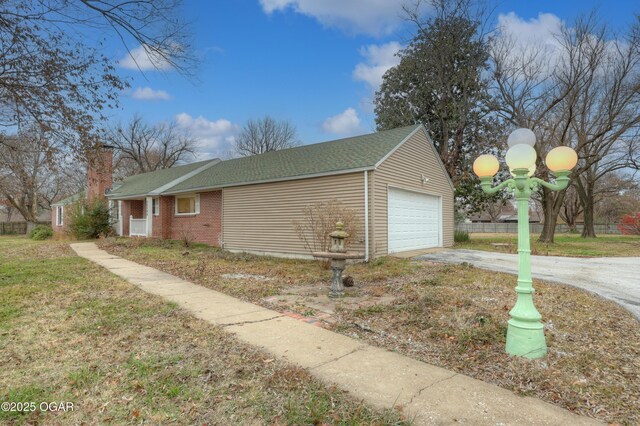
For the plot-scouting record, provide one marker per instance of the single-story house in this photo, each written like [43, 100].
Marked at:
[393, 180]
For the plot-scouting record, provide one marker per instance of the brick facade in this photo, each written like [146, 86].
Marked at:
[205, 227]
[137, 209]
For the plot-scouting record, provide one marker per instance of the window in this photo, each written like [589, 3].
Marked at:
[156, 206]
[59, 215]
[187, 204]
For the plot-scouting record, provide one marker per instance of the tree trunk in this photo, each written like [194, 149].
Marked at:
[585, 192]
[30, 226]
[551, 203]
[589, 229]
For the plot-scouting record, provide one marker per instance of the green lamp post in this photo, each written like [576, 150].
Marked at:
[525, 333]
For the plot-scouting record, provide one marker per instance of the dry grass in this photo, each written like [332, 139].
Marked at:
[71, 331]
[564, 245]
[206, 266]
[454, 317]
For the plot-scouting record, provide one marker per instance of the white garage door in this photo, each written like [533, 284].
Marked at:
[414, 221]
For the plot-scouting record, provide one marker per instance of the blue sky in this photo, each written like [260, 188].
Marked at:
[315, 63]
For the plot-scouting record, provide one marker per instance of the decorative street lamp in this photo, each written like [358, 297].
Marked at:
[525, 333]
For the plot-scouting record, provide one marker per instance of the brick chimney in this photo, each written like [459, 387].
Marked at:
[100, 173]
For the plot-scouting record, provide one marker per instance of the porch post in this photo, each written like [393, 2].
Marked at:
[149, 216]
[120, 225]
[111, 204]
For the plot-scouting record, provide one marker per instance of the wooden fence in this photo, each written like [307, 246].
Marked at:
[534, 228]
[20, 228]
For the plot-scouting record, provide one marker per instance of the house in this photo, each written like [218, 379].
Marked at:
[61, 210]
[393, 179]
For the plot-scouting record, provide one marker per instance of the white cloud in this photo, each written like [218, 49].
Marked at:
[346, 123]
[148, 94]
[373, 17]
[138, 58]
[536, 31]
[378, 59]
[216, 137]
[532, 40]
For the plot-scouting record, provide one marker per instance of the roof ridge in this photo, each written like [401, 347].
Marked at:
[185, 176]
[323, 143]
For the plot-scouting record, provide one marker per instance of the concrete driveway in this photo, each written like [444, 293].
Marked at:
[614, 278]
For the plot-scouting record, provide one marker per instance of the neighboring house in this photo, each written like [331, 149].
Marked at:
[507, 214]
[61, 210]
[394, 180]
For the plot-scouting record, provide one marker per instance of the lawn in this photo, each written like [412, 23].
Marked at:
[564, 245]
[453, 316]
[72, 332]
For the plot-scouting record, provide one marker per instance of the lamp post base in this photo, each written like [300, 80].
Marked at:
[526, 340]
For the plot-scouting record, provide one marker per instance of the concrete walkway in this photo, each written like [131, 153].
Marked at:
[427, 394]
[614, 278]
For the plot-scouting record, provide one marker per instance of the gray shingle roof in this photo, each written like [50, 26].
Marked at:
[144, 183]
[352, 153]
[358, 152]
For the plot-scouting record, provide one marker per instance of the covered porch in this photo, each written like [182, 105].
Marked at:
[134, 217]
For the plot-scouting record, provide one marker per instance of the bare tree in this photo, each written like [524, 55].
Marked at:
[264, 135]
[583, 93]
[571, 208]
[319, 220]
[619, 195]
[26, 177]
[141, 147]
[607, 115]
[7, 208]
[53, 74]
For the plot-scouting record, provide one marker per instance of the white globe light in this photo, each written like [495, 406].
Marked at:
[521, 136]
[521, 156]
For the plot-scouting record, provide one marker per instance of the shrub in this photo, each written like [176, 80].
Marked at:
[41, 232]
[460, 236]
[630, 224]
[88, 221]
[320, 220]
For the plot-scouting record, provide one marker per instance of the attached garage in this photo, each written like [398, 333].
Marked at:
[414, 221]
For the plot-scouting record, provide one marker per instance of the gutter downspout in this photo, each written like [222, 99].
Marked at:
[366, 216]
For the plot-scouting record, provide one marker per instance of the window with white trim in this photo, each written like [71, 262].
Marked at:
[59, 215]
[187, 204]
[156, 207]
